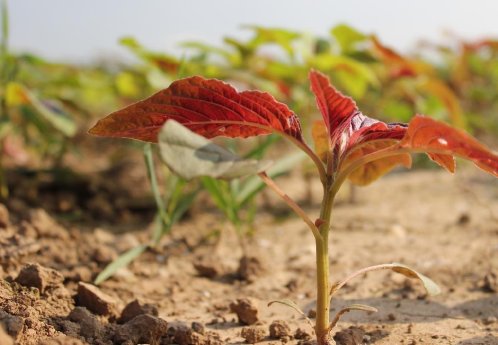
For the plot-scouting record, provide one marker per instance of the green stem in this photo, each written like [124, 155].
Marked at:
[322, 266]
[165, 221]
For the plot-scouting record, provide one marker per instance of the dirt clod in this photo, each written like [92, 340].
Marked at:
[253, 335]
[93, 299]
[350, 336]
[250, 268]
[208, 267]
[46, 226]
[246, 310]
[84, 324]
[490, 282]
[42, 278]
[375, 335]
[179, 333]
[143, 328]
[198, 327]
[13, 324]
[279, 329]
[301, 334]
[136, 308]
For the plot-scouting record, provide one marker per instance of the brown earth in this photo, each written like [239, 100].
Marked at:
[190, 290]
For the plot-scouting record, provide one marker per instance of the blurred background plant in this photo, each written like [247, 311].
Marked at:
[46, 107]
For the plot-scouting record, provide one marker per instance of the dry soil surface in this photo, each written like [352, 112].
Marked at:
[194, 289]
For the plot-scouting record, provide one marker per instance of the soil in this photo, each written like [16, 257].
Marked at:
[193, 290]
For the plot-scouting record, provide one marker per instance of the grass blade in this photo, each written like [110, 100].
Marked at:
[122, 261]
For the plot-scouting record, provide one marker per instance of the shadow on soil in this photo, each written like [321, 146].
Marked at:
[416, 310]
[487, 340]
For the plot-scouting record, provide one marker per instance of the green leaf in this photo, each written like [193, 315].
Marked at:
[221, 194]
[190, 155]
[183, 205]
[347, 37]
[122, 261]
[49, 111]
[217, 190]
[278, 36]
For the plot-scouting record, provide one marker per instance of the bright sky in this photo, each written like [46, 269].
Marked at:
[85, 29]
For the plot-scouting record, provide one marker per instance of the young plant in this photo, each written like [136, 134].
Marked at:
[348, 144]
[237, 198]
[170, 208]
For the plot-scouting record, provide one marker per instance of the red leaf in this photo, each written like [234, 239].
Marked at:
[337, 109]
[365, 129]
[208, 107]
[442, 142]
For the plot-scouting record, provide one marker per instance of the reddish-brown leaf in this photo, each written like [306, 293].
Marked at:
[365, 129]
[442, 142]
[208, 107]
[369, 172]
[337, 109]
[399, 65]
[346, 125]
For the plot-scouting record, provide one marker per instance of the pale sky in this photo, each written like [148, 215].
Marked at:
[86, 29]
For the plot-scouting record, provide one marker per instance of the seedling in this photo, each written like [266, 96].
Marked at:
[170, 208]
[348, 144]
[237, 198]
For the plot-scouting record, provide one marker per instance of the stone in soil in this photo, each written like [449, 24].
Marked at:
[253, 335]
[143, 329]
[136, 308]
[95, 300]
[42, 278]
[279, 329]
[250, 268]
[350, 336]
[246, 310]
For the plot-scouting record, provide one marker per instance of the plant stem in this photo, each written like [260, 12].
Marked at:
[292, 204]
[165, 221]
[322, 266]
